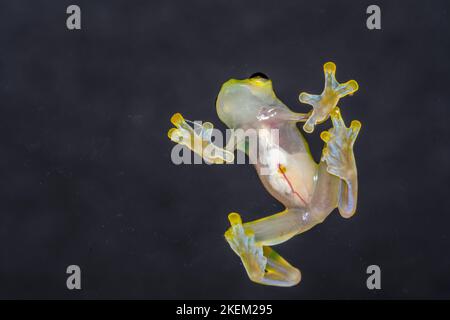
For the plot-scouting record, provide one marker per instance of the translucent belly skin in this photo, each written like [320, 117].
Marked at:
[286, 170]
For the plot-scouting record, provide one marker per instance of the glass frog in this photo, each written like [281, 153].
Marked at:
[309, 191]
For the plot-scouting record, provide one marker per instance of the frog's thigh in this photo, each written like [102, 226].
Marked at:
[280, 227]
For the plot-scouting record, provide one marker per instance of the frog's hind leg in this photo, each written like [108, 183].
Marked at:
[251, 241]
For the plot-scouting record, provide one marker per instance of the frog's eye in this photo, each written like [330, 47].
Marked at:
[259, 75]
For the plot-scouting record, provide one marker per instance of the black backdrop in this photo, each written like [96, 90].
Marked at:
[86, 176]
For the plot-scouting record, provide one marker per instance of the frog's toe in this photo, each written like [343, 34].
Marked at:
[175, 135]
[347, 88]
[355, 127]
[177, 120]
[182, 133]
[308, 98]
[314, 116]
[240, 240]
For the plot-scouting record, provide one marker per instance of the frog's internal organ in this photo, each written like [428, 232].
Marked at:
[309, 191]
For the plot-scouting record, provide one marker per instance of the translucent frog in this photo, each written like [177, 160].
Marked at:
[309, 191]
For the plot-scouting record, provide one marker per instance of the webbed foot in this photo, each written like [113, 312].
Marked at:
[198, 139]
[243, 244]
[324, 103]
[338, 152]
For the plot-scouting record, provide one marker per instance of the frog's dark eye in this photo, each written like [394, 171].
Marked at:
[259, 75]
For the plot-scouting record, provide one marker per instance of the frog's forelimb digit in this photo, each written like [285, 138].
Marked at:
[198, 139]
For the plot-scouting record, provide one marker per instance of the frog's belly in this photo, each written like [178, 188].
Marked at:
[288, 177]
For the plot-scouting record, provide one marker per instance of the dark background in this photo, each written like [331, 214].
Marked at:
[87, 179]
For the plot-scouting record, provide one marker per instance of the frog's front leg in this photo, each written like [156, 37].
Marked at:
[198, 139]
[262, 263]
[324, 103]
[340, 160]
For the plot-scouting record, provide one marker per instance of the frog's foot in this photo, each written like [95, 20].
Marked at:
[198, 139]
[243, 244]
[262, 263]
[338, 152]
[324, 103]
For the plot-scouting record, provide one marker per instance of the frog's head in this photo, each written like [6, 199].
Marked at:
[240, 101]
